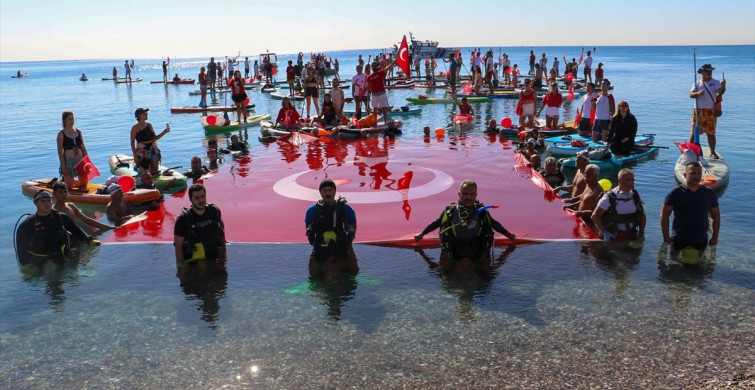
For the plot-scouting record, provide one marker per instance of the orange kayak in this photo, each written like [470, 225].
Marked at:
[90, 196]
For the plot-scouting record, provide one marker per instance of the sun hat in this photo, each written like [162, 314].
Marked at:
[706, 68]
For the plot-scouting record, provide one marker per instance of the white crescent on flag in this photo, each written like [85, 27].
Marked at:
[403, 57]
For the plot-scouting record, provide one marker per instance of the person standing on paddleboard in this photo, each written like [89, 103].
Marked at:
[708, 92]
[238, 95]
[144, 142]
[71, 150]
[376, 83]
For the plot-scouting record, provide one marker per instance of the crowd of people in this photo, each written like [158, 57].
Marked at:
[466, 229]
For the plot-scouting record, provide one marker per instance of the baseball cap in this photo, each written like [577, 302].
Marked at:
[140, 110]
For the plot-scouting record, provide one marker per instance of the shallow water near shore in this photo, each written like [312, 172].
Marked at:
[551, 315]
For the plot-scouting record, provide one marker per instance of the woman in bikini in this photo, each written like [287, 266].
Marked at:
[71, 150]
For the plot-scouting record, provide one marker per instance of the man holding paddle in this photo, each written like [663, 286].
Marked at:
[707, 92]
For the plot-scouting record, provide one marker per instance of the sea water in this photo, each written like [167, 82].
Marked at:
[551, 314]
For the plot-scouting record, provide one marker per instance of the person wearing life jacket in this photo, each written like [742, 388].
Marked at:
[619, 215]
[46, 234]
[466, 229]
[199, 231]
[330, 225]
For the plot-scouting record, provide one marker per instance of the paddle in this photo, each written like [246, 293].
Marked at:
[697, 113]
[134, 219]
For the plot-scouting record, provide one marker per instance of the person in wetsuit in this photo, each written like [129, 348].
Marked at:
[466, 228]
[46, 234]
[330, 225]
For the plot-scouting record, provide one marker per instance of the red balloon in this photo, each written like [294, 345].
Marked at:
[211, 120]
[506, 122]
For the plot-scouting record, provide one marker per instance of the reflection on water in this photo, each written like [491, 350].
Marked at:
[619, 259]
[468, 279]
[334, 281]
[54, 275]
[686, 272]
[204, 282]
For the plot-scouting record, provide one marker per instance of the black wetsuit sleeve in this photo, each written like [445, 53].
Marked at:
[433, 225]
[74, 229]
[23, 239]
[498, 227]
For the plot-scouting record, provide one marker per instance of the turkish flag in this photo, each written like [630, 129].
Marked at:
[85, 167]
[403, 57]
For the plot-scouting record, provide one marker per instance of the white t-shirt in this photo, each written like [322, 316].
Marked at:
[358, 83]
[624, 205]
[489, 64]
[587, 105]
[588, 62]
[707, 100]
[603, 108]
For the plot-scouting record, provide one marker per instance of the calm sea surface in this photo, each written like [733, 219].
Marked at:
[552, 314]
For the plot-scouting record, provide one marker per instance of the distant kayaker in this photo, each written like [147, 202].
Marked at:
[176, 79]
[708, 91]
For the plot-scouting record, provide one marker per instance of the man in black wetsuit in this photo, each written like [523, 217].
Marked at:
[46, 234]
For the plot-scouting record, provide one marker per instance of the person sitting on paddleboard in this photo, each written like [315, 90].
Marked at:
[328, 116]
[331, 225]
[46, 234]
[287, 115]
[144, 142]
[71, 151]
[466, 230]
[176, 78]
[622, 130]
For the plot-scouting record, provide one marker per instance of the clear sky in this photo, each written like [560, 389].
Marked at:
[97, 29]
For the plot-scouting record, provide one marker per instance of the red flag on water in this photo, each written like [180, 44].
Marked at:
[466, 88]
[570, 95]
[577, 118]
[403, 57]
[85, 167]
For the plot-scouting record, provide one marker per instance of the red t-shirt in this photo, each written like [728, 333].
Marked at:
[553, 100]
[290, 73]
[203, 78]
[465, 109]
[237, 86]
[376, 81]
[599, 73]
[289, 111]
